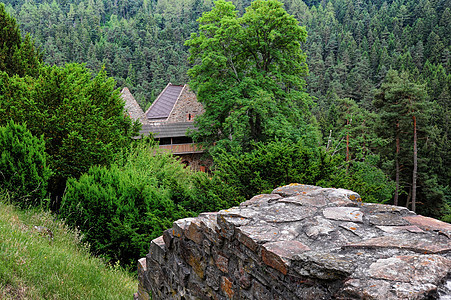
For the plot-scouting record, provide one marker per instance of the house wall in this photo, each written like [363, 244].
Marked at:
[196, 161]
[186, 107]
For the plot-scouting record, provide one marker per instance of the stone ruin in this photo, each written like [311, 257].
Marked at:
[301, 242]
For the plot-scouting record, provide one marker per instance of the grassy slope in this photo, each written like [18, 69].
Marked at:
[34, 267]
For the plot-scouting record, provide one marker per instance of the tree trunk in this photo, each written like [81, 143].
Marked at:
[347, 144]
[330, 140]
[397, 165]
[408, 197]
[415, 164]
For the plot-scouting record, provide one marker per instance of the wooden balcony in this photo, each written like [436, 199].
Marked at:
[183, 148]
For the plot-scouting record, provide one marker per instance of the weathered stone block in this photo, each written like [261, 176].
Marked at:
[428, 269]
[222, 263]
[319, 226]
[260, 200]
[397, 229]
[179, 226]
[409, 243]
[301, 242]
[294, 189]
[326, 266]
[253, 236]
[281, 212]
[343, 214]
[143, 281]
[158, 250]
[193, 232]
[385, 219]
[168, 237]
[428, 223]
[278, 254]
[227, 287]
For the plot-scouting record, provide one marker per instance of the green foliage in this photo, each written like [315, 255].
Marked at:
[246, 174]
[248, 74]
[81, 117]
[122, 208]
[211, 193]
[23, 165]
[274, 164]
[17, 56]
[372, 184]
[398, 100]
[34, 267]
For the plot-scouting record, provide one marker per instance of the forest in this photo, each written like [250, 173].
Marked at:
[355, 94]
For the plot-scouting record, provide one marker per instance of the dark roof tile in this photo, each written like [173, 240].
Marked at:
[163, 105]
[167, 129]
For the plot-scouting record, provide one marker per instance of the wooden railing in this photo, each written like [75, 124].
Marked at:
[182, 148]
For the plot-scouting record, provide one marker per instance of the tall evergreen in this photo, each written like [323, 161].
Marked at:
[17, 56]
[403, 107]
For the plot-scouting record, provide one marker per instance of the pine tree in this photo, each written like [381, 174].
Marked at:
[402, 104]
[17, 56]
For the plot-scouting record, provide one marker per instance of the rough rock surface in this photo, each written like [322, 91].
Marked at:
[301, 242]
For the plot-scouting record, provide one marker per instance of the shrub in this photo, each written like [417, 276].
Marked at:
[82, 118]
[273, 164]
[246, 174]
[372, 184]
[23, 169]
[211, 194]
[120, 209]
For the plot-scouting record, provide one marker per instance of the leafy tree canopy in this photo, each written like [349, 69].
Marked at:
[248, 74]
[82, 118]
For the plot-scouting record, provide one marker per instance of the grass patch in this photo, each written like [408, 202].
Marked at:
[33, 266]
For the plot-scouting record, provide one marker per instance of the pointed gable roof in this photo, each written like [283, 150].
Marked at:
[132, 106]
[163, 105]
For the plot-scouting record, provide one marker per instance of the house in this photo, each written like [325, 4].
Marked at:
[169, 118]
[132, 107]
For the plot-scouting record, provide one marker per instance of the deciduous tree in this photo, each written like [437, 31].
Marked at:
[248, 74]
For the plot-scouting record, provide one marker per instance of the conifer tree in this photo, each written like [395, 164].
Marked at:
[17, 56]
[401, 105]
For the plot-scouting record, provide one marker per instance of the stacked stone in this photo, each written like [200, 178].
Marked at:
[301, 242]
[186, 108]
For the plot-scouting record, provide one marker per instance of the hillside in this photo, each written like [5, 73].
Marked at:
[33, 266]
[336, 93]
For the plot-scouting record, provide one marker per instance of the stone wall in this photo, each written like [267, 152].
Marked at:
[186, 107]
[301, 242]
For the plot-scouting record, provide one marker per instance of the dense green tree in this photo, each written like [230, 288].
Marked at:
[17, 56]
[244, 174]
[23, 165]
[82, 118]
[403, 108]
[273, 164]
[248, 74]
[123, 207]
